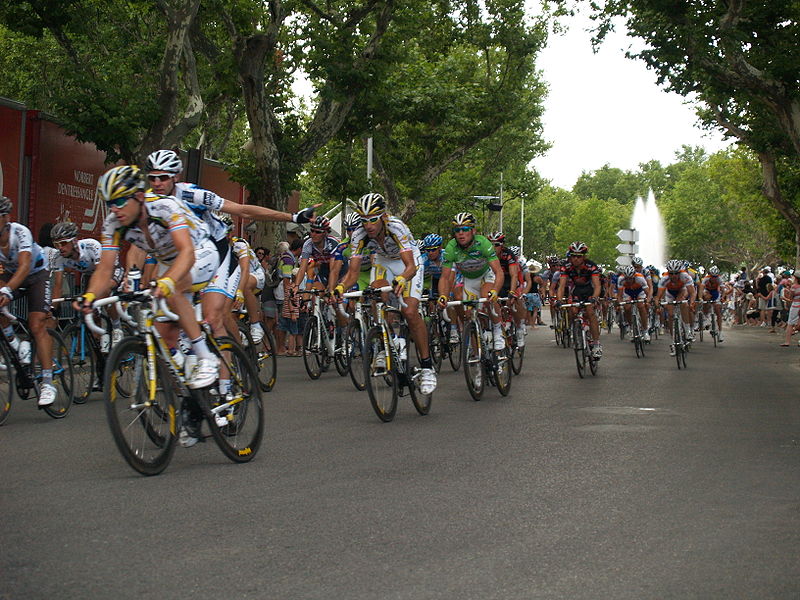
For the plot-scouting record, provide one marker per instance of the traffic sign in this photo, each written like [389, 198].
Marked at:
[624, 260]
[628, 248]
[628, 235]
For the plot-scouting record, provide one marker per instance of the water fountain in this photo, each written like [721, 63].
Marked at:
[647, 220]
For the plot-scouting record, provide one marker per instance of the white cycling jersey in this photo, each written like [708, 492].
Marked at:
[397, 239]
[165, 214]
[202, 202]
[21, 240]
[88, 256]
[242, 249]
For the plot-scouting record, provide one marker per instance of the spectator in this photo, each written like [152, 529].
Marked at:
[791, 293]
[288, 322]
[763, 294]
[269, 302]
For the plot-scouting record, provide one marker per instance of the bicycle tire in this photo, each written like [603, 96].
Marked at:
[266, 361]
[62, 376]
[517, 359]
[577, 346]
[593, 362]
[714, 330]
[422, 402]
[312, 355]
[240, 439]
[637, 334]
[502, 370]
[472, 357]
[677, 341]
[435, 345]
[7, 384]
[84, 365]
[355, 354]
[701, 320]
[144, 431]
[454, 353]
[382, 397]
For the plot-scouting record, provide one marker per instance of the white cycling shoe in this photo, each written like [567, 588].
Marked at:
[47, 394]
[205, 373]
[427, 381]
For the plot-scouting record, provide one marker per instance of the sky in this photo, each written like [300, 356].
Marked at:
[605, 108]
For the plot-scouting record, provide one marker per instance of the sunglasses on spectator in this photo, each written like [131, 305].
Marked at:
[118, 202]
[457, 229]
[163, 177]
[60, 243]
[373, 219]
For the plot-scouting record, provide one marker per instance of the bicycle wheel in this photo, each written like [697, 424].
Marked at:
[637, 336]
[514, 353]
[593, 362]
[84, 369]
[454, 353]
[502, 368]
[714, 330]
[701, 322]
[6, 384]
[312, 353]
[382, 397]
[472, 354]
[435, 344]
[355, 354]
[677, 340]
[422, 402]
[242, 407]
[62, 376]
[577, 345]
[566, 326]
[266, 361]
[340, 352]
[144, 428]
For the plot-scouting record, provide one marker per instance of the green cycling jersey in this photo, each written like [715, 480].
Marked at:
[472, 262]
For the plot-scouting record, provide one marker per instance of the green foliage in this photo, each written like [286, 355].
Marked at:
[609, 183]
[595, 222]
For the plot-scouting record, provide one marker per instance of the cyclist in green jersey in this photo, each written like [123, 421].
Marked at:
[474, 257]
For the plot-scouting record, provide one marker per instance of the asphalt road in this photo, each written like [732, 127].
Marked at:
[643, 482]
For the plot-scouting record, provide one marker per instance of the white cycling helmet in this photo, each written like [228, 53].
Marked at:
[164, 160]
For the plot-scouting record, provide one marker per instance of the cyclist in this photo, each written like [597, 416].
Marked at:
[341, 257]
[550, 278]
[25, 266]
[319, 248]
[633, 285]
[638, 266]
[248, 280]
[475, 258]
[710, 288]
[163, 169]
[677, 285]
[432, 263]
[583, 275]
[511, 279]
[81, 257]
[187, 260]
[397, 259]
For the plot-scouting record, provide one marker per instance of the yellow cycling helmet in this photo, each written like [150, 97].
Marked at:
[121, 182]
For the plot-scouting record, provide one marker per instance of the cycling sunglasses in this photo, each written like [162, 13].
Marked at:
[372, 219]
[118, 202]
[465, 228]
[64, 242]
[163, 177]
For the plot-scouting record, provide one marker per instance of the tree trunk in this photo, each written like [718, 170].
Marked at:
[771, 189]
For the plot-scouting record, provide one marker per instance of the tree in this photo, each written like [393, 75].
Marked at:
[740, 60]
[126, 86]
[609, 183]
[595, 222]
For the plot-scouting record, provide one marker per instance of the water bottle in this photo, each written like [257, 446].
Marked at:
[105, 343]
[487, 338]
[135, 278]
[25, 352]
